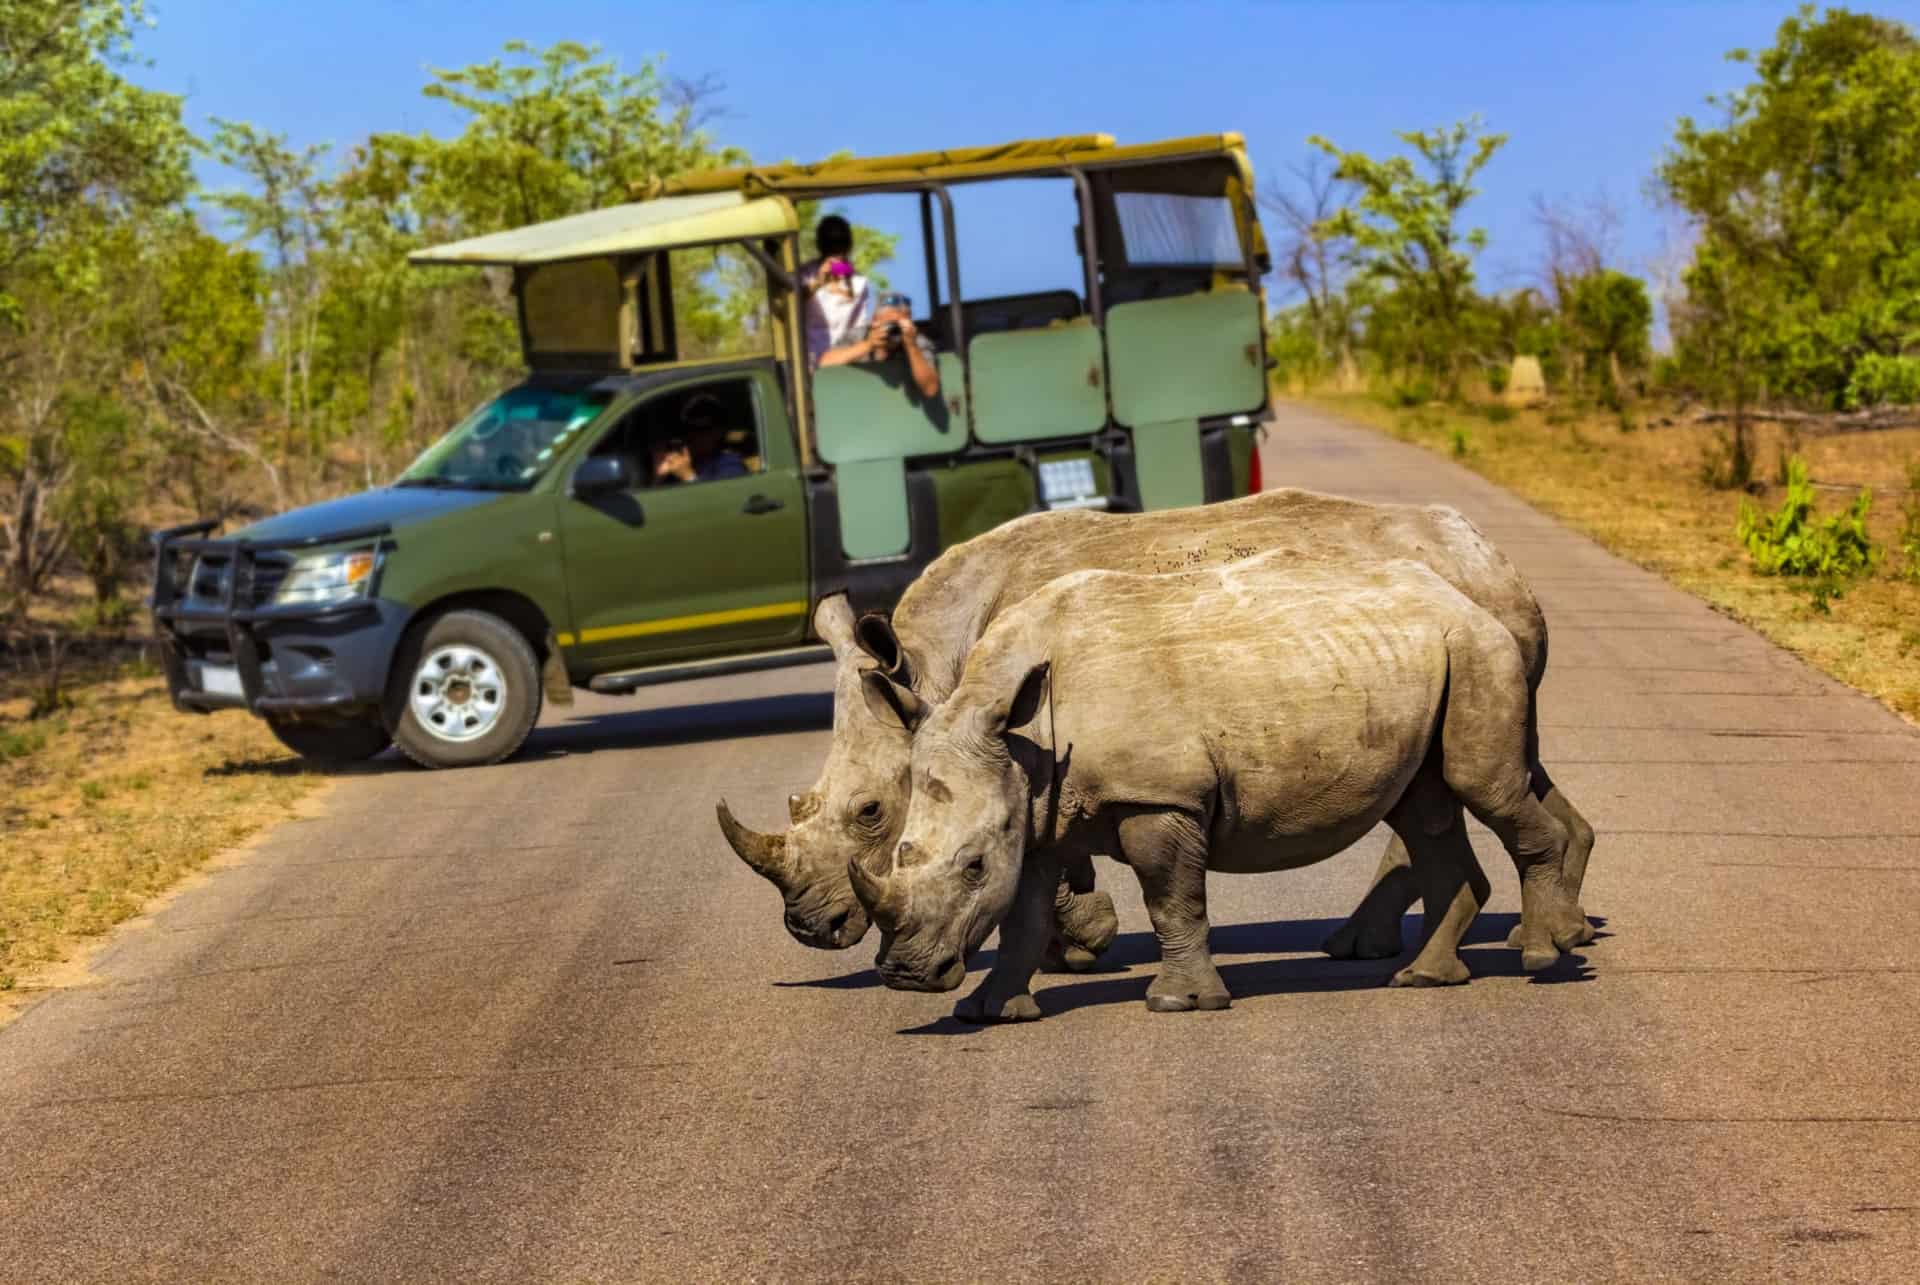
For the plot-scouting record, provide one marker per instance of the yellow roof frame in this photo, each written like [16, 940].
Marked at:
[960, 164]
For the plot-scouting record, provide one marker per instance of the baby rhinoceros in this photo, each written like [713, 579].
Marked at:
[1248, 718]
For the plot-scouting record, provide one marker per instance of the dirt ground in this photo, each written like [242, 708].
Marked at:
[113, 798]
[1639, 492]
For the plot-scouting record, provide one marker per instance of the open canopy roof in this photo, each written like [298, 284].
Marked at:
[711, 216]
[958, 164]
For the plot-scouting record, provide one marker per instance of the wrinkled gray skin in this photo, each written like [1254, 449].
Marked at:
[855, 809]
[1247, 718]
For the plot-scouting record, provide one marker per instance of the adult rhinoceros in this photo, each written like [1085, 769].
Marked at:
[1245, 718]
[855, 809]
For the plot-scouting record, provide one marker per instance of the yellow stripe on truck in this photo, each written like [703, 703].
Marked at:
[682, 624]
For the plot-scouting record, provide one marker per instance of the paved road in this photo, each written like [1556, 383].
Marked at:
[535, 1022]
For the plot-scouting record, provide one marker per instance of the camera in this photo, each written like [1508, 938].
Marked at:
[902, 302]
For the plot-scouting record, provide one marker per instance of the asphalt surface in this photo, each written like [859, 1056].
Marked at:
[536, 1022]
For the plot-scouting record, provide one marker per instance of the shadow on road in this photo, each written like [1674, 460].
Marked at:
[684, 725]
[1116, 981]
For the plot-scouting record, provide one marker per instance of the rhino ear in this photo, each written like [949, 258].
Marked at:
[1028, 698]
[891, 703]
[833, 623]
[874, 634]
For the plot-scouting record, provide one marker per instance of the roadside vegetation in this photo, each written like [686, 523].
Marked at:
[1769, 460]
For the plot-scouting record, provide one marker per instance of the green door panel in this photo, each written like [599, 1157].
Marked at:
[870, 421]
[685, 570]
[979, 495]
[1030, 384]
[873, 508]
[871, 411]
[1167, 458]
[1188, 357]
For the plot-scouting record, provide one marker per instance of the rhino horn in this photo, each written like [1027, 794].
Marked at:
[874, 893]
[766, 853]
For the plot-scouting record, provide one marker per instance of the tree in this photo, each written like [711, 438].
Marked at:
[1313, 261]
[83, 153]
[1805, 202]
[1406, 237]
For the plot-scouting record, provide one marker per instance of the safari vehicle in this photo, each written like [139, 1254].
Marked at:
[528, 552]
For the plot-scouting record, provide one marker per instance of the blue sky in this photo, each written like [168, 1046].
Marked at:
[1589, 92]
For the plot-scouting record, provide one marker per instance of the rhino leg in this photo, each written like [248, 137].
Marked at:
[1084, 925]
[1372, 931]
[1002, 996]
[1168, 850]
[1573, 869]
[1487, 760]
[1452, 887]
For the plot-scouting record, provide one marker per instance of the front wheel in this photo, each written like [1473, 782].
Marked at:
[333, 744]
[472, 692]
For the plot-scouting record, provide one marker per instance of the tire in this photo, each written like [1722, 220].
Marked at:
[332, 744]
[465, 693]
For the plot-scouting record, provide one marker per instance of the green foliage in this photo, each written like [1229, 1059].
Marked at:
[1458, 443]
[81, 147]
[18, 745]
[1407, 244]
[1808, 217]
[1882, 380]
[1795, 541]
[1909, 537]
[1608, 319]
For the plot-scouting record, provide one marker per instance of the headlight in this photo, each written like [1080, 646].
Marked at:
[327, 577]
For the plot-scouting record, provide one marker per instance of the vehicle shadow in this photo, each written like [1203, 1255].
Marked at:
[683, 725]
[675, 725]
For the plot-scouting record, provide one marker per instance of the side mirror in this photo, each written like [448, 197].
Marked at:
[602, 475]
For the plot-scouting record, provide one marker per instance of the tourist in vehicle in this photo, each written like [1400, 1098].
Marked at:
[839, 299]
[843, 324]
[893, 334]
[701, 455]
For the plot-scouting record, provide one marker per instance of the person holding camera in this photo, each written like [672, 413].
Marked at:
[838, 333]
[701, 455]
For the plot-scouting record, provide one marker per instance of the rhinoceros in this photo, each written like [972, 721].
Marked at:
[855, 809]
[1246, 718]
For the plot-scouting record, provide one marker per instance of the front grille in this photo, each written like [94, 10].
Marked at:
[208, 584]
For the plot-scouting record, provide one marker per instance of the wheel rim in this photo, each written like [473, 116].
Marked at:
[458, 693]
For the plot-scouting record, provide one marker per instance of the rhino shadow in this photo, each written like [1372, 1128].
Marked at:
[1114, 979]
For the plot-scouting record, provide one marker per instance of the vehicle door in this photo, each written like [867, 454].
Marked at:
[675, 569]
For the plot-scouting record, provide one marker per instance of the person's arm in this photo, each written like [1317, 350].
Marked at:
[926, 376]
[847, 354]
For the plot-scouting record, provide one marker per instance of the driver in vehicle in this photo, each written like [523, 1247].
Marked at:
[701, 454]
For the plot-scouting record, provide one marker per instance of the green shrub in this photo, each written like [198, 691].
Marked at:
[1498, 377]
[1795, 541]
[1910, 525]
[1879, 380]
[1459, 443]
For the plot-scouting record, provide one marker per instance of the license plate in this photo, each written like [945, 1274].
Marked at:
[220, 680]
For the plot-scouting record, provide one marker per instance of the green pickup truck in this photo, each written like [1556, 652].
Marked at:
[541, 546]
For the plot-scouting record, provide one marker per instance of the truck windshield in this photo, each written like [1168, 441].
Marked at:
[508, 443]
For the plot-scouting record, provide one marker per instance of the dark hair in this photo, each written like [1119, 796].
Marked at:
[833, 236]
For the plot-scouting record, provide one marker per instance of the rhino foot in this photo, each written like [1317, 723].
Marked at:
[1450, 973]
[980, 1010]
[1064, 958]
[1574, 931]
[1177, 993]
[1087, 924]
[1363, 939]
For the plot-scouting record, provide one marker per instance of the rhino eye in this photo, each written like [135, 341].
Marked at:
[974, 871]
[871, 812]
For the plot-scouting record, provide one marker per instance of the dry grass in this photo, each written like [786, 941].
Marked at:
[113, 799]
[1640, 494]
